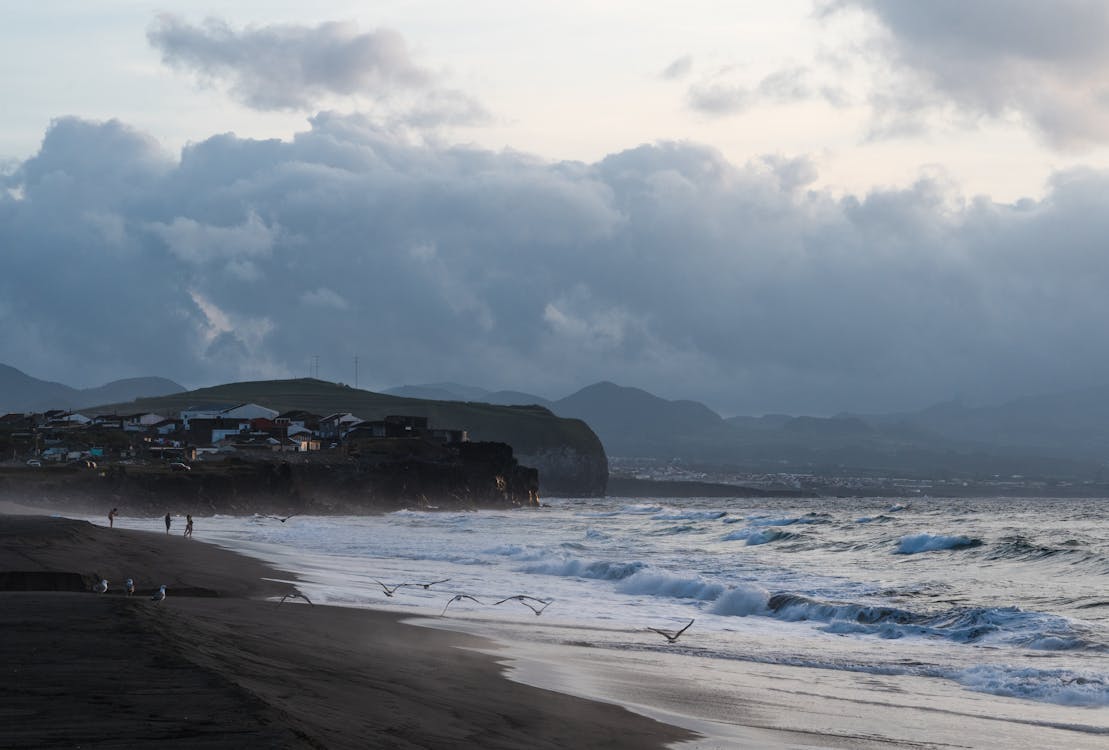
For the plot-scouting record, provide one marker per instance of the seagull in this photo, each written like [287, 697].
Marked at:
[672, 636]
[457, 598]
[283, 520]
[130, 586]
[527, 602]
[294, 595]
[101, 587]
[426, 585]
[159, 595]
[390, 590]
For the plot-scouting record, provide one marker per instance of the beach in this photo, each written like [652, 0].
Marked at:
[221, 663]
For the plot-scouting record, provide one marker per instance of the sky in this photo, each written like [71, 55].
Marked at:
[810, 208]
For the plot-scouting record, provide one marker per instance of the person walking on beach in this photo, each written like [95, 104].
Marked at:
[169, 520]
[189, 526]
[112, 517]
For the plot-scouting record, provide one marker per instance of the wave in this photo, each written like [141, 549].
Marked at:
[663, 584]
[1063, 686]
[915, 543]
[691, 515]
[1005, 625]
[789, 521]
[758, 536]
[671, 530]
[573, 567]
[742, 601]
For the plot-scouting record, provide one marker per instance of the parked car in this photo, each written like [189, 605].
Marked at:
[178, 466]
[34, 462]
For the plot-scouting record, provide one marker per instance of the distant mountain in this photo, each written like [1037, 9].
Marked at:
[633, 422]
[19, 392]
[1072, 424]
[1062, 435]
[457, 392]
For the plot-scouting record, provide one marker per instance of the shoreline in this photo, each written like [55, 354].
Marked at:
[224, 668]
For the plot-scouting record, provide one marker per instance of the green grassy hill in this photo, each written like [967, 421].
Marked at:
[567, 453]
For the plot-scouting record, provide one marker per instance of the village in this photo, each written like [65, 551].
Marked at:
[204, 432]
[247, 457]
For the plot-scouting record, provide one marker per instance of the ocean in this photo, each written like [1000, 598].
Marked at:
[1002, 596]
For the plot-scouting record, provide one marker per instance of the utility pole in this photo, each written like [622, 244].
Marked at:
[316, 359]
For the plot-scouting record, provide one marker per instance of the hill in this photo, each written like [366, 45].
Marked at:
[19, 392]
[568, 455]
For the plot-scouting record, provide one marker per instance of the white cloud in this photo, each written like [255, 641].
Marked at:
[1046, 63]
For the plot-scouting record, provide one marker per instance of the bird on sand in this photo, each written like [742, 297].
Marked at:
[672, 636]
[130, 586]
[457, 598]
[101, 587]
[295, 595]
[159, 595]
[390, 590]
[426, 585]
[527, 602]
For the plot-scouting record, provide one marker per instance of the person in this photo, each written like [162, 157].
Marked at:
[112, 517]
[169, 520]
[189, 526]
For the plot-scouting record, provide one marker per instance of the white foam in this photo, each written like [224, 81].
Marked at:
[1066, 687]
[743, 600]
[664, 584]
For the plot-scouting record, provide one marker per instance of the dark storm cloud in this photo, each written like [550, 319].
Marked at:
[299, 67]
[1045, 61]
[663, 266]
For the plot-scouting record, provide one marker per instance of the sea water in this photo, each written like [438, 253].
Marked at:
[1002, 596]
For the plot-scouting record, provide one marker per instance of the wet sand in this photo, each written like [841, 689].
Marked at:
[216, 665]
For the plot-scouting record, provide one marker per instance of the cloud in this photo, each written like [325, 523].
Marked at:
[664, 266]
[1044, 62]
[291, 67]
[725, 91]
[678, 69]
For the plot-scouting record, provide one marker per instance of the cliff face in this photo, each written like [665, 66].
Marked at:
[568, 471]
[475, 475]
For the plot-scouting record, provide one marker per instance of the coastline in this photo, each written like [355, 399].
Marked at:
[217, 665]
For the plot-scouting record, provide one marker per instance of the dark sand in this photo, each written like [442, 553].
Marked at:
[215, 666]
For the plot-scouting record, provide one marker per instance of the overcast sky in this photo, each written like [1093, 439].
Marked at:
[818, 207]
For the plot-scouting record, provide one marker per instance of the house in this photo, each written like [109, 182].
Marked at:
[248, 411]
[108, 422]
[211, 430]
[141, 422]
[298, 418]
[334, 426]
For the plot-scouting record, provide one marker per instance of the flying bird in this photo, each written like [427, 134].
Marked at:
[101, 587]
[527, 602]
[130, 586]
[159, 595]
[670, 635]
[426, 585]
[390, 590]
[294, 595]
[283, 520]
[457, 598]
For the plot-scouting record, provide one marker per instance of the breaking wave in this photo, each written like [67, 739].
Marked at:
[916, 543]
[573, 567]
